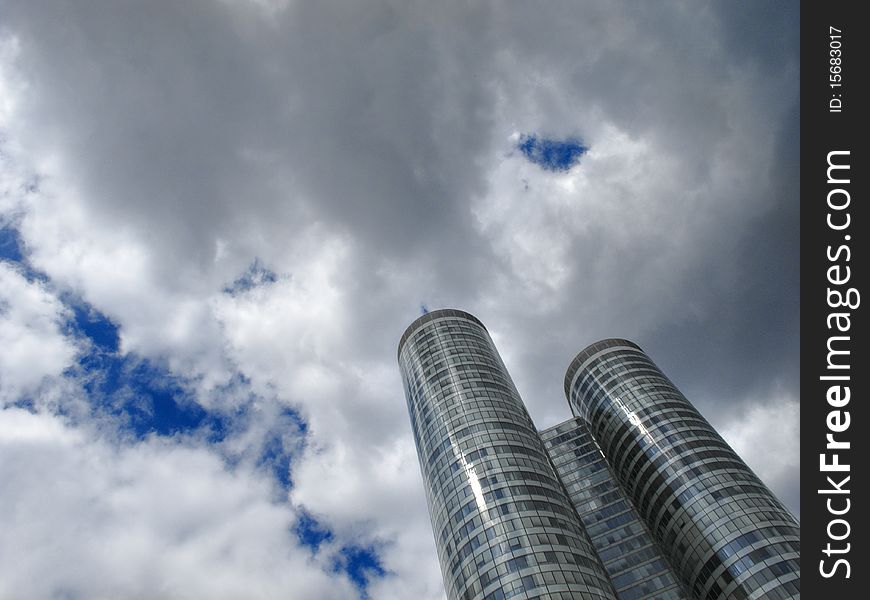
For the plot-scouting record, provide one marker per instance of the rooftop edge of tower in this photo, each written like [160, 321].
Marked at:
[588, 351]
[431, 316]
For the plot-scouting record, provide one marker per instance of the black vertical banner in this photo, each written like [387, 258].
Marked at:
[834, 371]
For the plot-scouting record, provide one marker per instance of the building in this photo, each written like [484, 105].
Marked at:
[504, 525]
[636, 497]
[634, 561]
[724, 531]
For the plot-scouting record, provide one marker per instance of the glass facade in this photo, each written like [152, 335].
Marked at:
[634, 561]
[636, 497]
[504, 525]
[724, 532]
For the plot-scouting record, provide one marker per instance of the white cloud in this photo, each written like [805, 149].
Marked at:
[114, 268]
[84, 518]
[363, 154]
[346, 480]
[767, 437]
[359, 472]
[31, 336]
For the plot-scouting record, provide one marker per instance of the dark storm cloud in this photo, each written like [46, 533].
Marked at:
[201, 119]
[750, 330]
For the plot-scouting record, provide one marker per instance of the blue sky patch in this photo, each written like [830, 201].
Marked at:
[143, 394]
[143, 397]
[12, 251]
[361, 563]
[102, 332]
[280, 444]
[10, 245]
[550, 154]
[256, 275]
[311, 532]
[149, 398]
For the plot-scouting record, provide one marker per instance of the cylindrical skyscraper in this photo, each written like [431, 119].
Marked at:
[504, 526]
[724, 531]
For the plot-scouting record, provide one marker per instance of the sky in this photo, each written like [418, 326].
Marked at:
[217, 217]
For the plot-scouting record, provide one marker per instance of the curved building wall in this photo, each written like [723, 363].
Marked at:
[723, 530]
[634, 561]
[504, 526]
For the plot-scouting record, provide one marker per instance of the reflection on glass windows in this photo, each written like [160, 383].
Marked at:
[632, 558]
[637, 497]
[723, 531]
[504, 527]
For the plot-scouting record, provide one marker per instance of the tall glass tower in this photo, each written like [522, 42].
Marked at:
[635, 498]
[725, 533]
[504, 525]
[635, 562]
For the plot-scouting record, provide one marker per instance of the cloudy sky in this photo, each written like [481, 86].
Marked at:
[218, 216]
